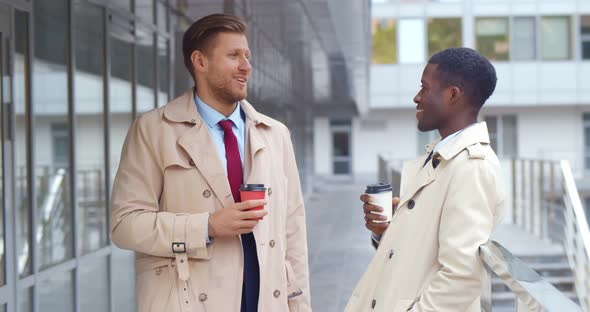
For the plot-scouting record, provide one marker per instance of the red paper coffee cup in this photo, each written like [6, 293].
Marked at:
[253, 191]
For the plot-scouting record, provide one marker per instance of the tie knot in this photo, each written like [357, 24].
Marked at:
[226, 125]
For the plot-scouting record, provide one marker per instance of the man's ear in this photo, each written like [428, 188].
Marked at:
[199, 61]
[455, 94]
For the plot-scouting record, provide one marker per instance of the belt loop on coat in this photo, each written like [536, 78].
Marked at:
[179, 246]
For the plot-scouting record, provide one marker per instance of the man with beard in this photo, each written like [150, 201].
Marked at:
[451, 198]
[176, 198]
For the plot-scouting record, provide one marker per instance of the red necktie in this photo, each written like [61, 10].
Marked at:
[232, 155]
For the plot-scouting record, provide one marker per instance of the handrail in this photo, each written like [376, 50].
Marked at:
[532, 291]
[577, 235]
[49, 206]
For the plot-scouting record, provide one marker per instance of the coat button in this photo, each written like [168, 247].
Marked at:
[276, 293]
[193, 120]
[158, 271]
[373, 303]
[269, 191]
[191, 163]
[391, 252]
[206, 193]
[202, 297]
[271, 243]
[411, 204]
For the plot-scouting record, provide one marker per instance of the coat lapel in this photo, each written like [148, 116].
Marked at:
[416, 177]
[254, 146]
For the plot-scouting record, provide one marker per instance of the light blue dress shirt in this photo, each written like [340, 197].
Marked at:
[211, 117]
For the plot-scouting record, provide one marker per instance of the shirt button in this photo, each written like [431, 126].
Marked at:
[206, 193]
[269, 191]
[276, 293]
[391, 252]
[411, 204]
[202, 297]
[373, 303]
[271, 243]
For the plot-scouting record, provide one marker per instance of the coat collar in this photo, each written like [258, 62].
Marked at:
[184, 109]
[476, 133]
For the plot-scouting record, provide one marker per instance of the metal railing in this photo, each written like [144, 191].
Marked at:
[543, 200]
[51, 234]
[533, 293]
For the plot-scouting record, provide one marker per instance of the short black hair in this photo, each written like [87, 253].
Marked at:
[468, 70]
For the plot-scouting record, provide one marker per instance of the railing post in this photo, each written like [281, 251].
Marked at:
[514, 201]
[542, 218]
[532, 197]
[522, 193]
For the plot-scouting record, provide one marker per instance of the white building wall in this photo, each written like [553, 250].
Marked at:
[389, 133]
[322, 142]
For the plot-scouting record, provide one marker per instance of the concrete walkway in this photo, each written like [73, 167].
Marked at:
[338, 242]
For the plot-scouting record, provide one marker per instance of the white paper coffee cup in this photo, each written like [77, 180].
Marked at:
[381, 194]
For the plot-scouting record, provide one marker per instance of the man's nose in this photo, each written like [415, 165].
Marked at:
[417, 99]
[245, 65]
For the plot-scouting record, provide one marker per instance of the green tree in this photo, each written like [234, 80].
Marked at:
[384, 48]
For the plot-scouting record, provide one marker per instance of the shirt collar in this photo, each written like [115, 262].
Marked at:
[212, 117]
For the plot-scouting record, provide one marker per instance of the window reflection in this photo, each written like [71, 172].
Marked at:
[21, 146]
[164, 68]
[89, 129]
[492, 39]
[145, 71]
[51, 132]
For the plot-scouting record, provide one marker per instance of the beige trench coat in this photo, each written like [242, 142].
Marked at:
[427, 259]
[171, 178]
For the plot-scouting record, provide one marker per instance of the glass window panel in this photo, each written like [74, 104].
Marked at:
[555, 38]
[123, 274]
[25, 300]
[412, 41]
[341, 167]
[57, 293]
[509, 136]
[21, 146]
[524, 42]
[94, 295]
[585, 34]
[50, 102]
[5, 99]
[384, 44]
[162, 14]
[89, 103]
[121, 88]
[444, 33]
[144, 10]
[492, 39]
[341, 142]
[163, 72]
[145, 72]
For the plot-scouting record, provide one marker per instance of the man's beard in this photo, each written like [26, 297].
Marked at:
[223, 92]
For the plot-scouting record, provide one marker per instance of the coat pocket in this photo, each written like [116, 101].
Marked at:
[294, 292]
[404, 305]
[154, 289]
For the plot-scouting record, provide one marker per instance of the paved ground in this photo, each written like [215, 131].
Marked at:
[338, 242]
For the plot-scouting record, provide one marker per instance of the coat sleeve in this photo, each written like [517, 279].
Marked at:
[467, 220]
[296, 253]
[137, 222]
